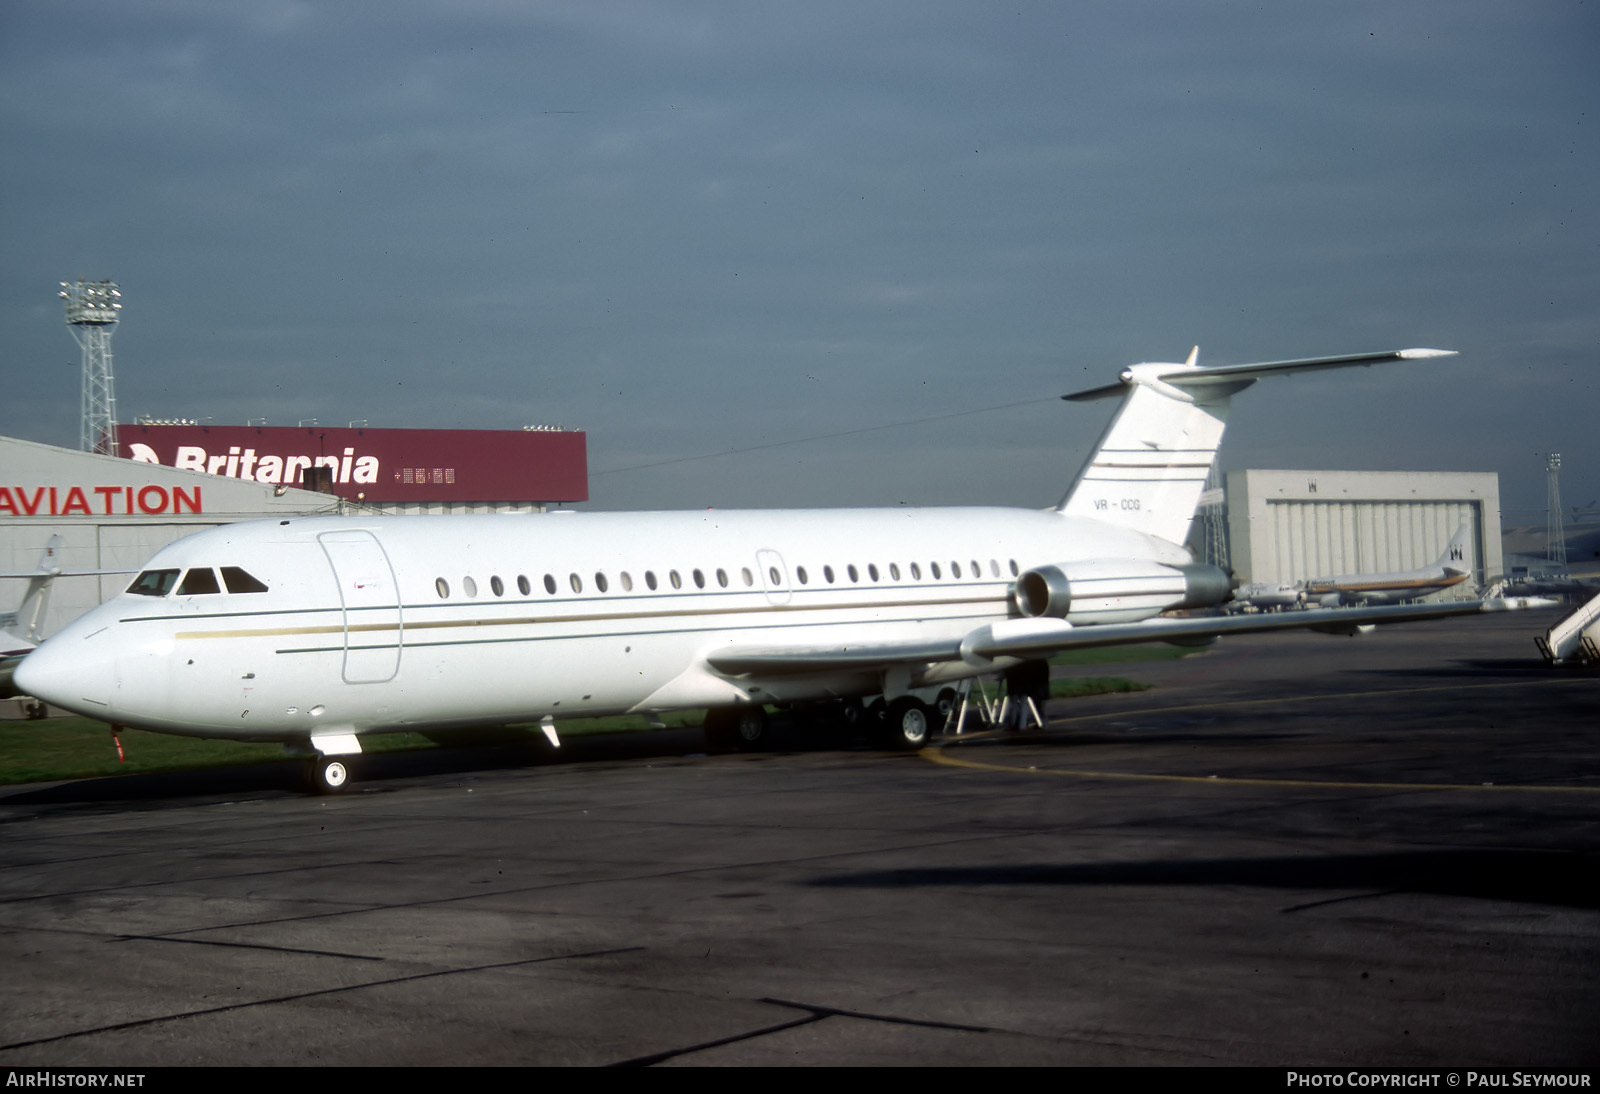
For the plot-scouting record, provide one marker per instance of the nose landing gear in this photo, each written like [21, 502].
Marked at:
[327, 774]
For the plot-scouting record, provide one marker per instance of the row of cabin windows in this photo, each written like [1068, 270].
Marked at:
[602, 583]
[198, 580]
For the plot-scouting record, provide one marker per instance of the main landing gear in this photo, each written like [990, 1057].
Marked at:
[745, 728]
[908, 724]
[905, 725]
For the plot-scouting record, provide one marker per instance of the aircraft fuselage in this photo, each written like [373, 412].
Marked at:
[366, 625]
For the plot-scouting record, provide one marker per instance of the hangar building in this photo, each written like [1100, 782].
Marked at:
[1286, 527]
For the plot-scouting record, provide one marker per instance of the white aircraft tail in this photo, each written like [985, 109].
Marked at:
[1150, 466]
[26, 624]
[1458, 552]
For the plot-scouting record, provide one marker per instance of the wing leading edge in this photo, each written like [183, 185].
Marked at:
[1026, 638]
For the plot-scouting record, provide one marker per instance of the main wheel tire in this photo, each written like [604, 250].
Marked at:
[744, 728]
[328, 775]
[908, 725]
[752, 728]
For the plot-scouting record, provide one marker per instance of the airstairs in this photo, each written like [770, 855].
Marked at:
[1575, 638]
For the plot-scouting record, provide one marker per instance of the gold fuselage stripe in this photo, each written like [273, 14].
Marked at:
[592, 617]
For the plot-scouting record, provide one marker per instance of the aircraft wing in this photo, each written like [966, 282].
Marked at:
[791, 660]
[1042, 637]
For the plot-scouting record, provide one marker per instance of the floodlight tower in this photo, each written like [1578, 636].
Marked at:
[1555, 533]
[93, 308]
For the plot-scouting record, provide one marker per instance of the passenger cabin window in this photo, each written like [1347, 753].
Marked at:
[238, 581]
[600, 581]
[469, 586]
[442, 587]
[497, 586]
[550, 584]
[627, 581]
[523, 585]
[201, 579]
[154, 583]
[650, 578]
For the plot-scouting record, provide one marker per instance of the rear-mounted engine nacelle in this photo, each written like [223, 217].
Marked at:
[1118, 590]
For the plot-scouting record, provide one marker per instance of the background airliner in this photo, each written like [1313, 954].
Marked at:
[1451, 568]
[317, 631]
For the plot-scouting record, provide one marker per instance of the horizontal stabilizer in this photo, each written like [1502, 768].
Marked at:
[1198, 376]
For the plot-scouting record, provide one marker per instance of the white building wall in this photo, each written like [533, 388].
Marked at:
[104, 525]
[1288, 526]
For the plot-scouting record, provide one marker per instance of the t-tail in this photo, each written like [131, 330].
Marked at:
[1150, 466]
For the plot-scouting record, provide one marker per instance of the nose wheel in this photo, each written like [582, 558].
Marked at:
[327, 775]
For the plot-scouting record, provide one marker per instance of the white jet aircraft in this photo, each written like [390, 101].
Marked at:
[1450, 569]
[317, 631]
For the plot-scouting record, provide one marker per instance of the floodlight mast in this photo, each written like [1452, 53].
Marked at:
[1555, 531]
[93, 309]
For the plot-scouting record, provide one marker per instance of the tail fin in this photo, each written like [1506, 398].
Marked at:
[1458, 553]
[1150, 466]
[26, 624]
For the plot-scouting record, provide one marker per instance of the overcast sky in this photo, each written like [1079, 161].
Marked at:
[691, 228]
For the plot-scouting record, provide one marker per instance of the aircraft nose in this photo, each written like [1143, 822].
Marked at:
[74, 671]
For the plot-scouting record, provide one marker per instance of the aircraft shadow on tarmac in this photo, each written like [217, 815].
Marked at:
[375, 772]
[372, 770]
[1561, 879]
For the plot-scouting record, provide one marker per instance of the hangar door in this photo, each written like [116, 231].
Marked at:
[1318, 539]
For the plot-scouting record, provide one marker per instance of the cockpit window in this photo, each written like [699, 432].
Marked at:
[238, 581]
[154, 583]
[201, 579]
